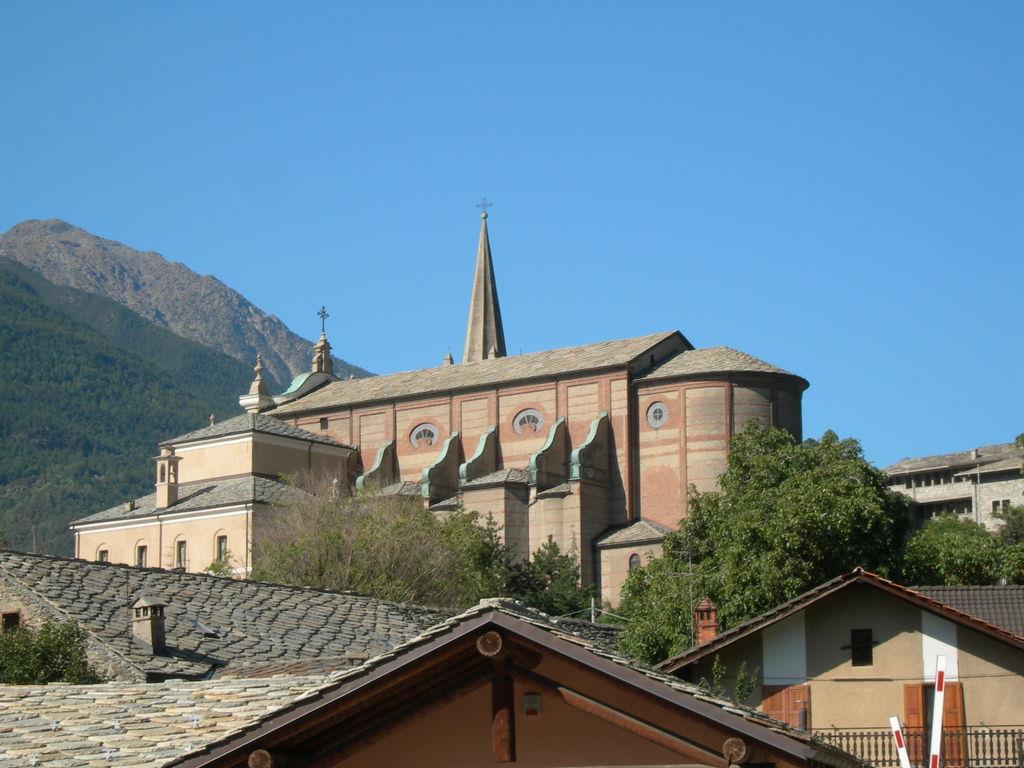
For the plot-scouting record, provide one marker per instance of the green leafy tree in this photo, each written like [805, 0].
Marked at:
[788, 516]
[1012, 529]
[52, 653]
[393, 548]
[953, 552]
[550, 581]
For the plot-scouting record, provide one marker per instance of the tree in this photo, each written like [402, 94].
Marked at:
[386, 546]
[550, 581]
[1012, 529]
[954, 552]
[788, 516]
[50, 654]
[392, 548]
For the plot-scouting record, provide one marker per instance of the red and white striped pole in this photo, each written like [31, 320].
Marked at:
[937, 710]
[901, 743]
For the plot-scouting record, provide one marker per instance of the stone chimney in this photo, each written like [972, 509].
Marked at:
[148, 625]
[166, 478]
[706, 621]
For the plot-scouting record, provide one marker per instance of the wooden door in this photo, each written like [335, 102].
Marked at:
[789, 703]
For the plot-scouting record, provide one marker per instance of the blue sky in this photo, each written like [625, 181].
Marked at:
[834, 187]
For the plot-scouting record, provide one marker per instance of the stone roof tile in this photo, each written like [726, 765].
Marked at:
[251, 422]
[986, 454]
[211, 621]
[699, 362]
[203, 494]
[605, 354]
[639, 532]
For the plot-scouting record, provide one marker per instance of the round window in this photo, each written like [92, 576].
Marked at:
[423, 436]
[657, 415]
[528, 422]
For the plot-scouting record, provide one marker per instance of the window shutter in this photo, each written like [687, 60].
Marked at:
[913, 720]
[774, 704]
[953, 722]
[798, 706]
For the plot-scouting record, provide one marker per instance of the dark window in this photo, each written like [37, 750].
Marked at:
[222, 548]
[323, 423]
[10, 620]
[634, 561]
[140, 556]
[103, 556]
[180, 555]
[862, 648]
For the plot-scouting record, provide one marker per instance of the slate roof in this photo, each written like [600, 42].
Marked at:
[402, 488]
[500, 477]
[252, 422]
[552, 362]
[203, 494]
[957, 460]
[171, 723]
[638, 532]
[700, 362]
[1002, 606]
[210, 621]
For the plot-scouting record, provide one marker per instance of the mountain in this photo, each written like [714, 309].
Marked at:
[88, 390]
[168, 294]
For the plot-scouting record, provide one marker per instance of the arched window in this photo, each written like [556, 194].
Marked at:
[634, 562]
[528, 422]
[423, 435]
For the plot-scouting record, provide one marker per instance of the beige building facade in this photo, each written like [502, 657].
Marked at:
[850, 654]
[579, 445]
[213, 489]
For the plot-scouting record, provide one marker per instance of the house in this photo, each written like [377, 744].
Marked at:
[498, 683]
[976, 484]
[841, 659]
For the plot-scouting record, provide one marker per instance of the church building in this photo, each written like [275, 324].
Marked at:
[593, 446]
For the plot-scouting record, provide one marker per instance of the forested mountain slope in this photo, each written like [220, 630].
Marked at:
[87, 390]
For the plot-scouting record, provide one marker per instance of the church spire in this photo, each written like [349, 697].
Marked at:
[485, 337]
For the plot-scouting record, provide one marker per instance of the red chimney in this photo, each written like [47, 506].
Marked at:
[706, 617]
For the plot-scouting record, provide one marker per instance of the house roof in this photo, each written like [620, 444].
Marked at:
[638, 532]
[1001, 606]
[444, 378]
[194, 724]
[252, 422]
[958, 459]
[701, 362]
[203, 494]
[857, 576]
[211, 622]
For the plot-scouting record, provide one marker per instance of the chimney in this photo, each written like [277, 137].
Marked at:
[706, 620]
[148, 625]
[166, 478]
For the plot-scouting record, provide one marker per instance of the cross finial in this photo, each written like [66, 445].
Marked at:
[323, 314]
[483, 205]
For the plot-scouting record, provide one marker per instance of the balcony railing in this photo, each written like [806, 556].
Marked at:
[976, 746]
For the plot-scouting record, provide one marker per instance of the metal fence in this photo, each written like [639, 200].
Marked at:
[975, 746]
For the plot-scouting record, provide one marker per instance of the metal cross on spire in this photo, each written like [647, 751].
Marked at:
[483, 205]
[323, 314]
